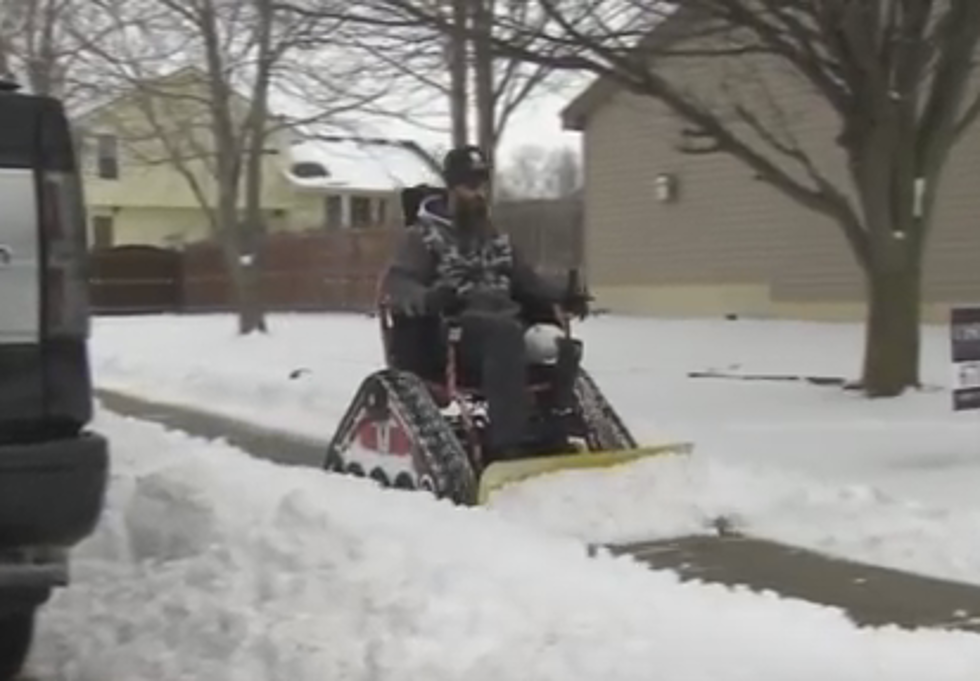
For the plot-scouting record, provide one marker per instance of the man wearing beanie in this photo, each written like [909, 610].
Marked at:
[452, 260]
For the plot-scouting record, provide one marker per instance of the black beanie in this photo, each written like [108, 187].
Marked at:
[464, 164]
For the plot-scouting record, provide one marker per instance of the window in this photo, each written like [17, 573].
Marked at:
[382, 211]
[360, 211]
[103, 231]
[334, 213]
[108, 157]
[308, 169]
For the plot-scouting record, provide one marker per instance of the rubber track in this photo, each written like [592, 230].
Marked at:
[606, 430]
[440, 449]
[443, 457]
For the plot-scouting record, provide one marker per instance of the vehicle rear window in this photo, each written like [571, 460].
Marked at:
[34, 134]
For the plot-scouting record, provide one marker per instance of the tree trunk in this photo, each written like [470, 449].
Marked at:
[244, 257]
[897, 210]
[892, 333]
[251, 309]
[244, 278]
[483, 76]
[458, 73]
[251, 315]
[239, 263]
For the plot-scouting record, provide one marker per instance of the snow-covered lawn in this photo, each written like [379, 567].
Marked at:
[210, 565]
[892, 482]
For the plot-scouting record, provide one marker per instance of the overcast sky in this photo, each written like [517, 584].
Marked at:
[538, 122]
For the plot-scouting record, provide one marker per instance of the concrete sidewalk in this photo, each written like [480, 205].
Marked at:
[868, 594]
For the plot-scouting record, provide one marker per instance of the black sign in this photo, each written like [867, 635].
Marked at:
[964, 333]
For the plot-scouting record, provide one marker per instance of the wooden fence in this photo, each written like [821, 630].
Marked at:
[313, 271]
[135, 280]
[318, 271]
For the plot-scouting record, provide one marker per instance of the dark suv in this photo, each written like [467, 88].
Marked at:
[52, 470]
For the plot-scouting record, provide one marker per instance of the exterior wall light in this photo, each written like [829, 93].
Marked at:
[665, 186]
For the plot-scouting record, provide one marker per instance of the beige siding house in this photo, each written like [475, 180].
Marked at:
[728, 243]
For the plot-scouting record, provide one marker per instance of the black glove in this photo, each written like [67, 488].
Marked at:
[410, 302]
[439, 299]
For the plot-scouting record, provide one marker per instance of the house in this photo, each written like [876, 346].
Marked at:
[670, 233]
[147, 156]
[343, 182]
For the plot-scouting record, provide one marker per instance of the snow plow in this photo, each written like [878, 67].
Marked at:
[419, 423]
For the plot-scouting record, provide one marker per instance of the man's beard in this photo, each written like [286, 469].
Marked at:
[472, 213]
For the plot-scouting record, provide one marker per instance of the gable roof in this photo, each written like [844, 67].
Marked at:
[576, 113]
[114, 97]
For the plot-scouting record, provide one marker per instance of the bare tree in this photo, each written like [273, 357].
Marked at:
[458, 57]
[537, 172]
[898, 75]
[40, 45]
[32, 44]
[213, 124]
[426, 57]
[483, 76]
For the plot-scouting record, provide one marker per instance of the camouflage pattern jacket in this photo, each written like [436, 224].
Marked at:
[433, 254]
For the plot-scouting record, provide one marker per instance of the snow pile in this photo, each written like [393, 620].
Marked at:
[210, 565]
[674, 496]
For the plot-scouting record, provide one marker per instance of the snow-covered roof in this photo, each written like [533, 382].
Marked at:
[349, 163]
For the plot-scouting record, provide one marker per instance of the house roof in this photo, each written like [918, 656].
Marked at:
[114, 96]
[576, 114]
[368, 164]
[597, 93]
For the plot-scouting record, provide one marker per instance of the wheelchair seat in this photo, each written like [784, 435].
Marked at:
[420, 345]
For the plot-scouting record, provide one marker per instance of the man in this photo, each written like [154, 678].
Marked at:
[452, 260]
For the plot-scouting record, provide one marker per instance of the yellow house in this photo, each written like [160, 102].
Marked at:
[147, 160]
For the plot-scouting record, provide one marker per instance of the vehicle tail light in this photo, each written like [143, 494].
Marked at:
[66, 285]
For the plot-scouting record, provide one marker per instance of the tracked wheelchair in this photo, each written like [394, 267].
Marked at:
[420, 423]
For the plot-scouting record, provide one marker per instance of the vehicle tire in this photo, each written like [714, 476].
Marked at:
[16, 633]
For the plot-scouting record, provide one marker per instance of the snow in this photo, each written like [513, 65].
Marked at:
[362, 165]
[676, 497]
[890, 482]
[212, 565]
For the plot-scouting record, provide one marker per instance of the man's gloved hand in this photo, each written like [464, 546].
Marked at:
[439, 299]
[411, 302]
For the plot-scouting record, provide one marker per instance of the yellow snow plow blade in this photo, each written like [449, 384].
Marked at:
[501, 473]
